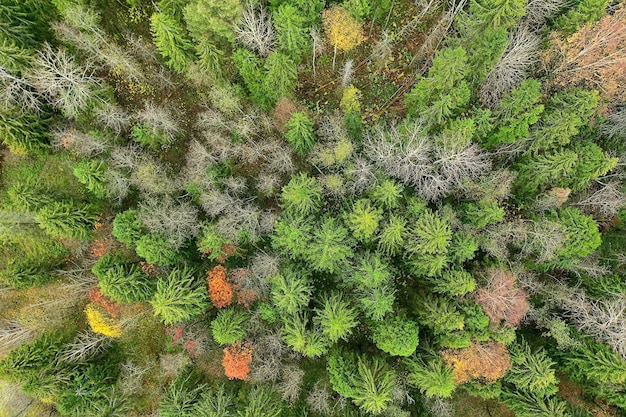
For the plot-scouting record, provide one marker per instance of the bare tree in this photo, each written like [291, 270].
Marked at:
[539, 11]
[113, 117]
[268, 183]
[214, 202]
[318, 46]
[263, 268]
[434, 167]
[235, 185]
[616, 124]
[606, 201]
[152, 177]
[255, 30]
[496, 185]
[589, 266]
[604, 319]
[240, 218]
[279, 158]
[128, 157]
[132, 376]
[81, 28]
[13, 401]
[118, 184]
[160, 121]
[87, 345]
[520, 54]
[177, 222]
[65, 84]
[347, 72]
[541, 239]
[438, 31]
[14, 334]
[361, 174]
[17, 92]
[439, 407]
[269, 350]
[318, 399]
[382, 50]
[79, 143]
[291, 382]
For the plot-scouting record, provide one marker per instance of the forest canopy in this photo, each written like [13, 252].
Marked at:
[324, 208]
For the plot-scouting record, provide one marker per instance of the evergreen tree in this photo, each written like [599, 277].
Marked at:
[155, 249]
[179, 297]
[397, 335]
[393, 235]
[300, 132]
[67, 220]
[281, 76]
[229, 326]
[517, 112]
[213, 20]
[125, 284]
[292, 30]
[23, 133]
[170, 39]
[330, 249]
[443, 92]
[584, 11]
[454, 282]
[565, 114]
[374, 385]
[337, 318]
[127, 228]
[92, 175]
[302, 195]
[363, 220]
[291, 292]
[292, 237]
[433, 378]
[532, 371]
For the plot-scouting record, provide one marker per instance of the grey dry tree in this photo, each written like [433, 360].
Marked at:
[255, 30]
[176, 221]
[606, 201]
[434, 167]
[18, 92]
[65, 84]
[520, 54]
[160, 121]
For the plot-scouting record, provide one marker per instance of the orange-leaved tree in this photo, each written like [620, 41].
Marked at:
[595, 56]
[237, 359]
[501, 298]
[220, 290]
[485, 361]
[342, 30]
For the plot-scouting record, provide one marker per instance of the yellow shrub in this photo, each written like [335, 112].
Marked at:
[100, 323]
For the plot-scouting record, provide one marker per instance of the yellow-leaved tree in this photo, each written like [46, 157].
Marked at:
[342, 30]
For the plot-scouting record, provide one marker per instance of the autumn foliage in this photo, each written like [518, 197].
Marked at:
[220, 290]
[486, 361]
[237, 359]
[501, 299]
[341, 29]
[594, 56]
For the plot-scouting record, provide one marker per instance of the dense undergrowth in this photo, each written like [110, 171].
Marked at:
[312, 208]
